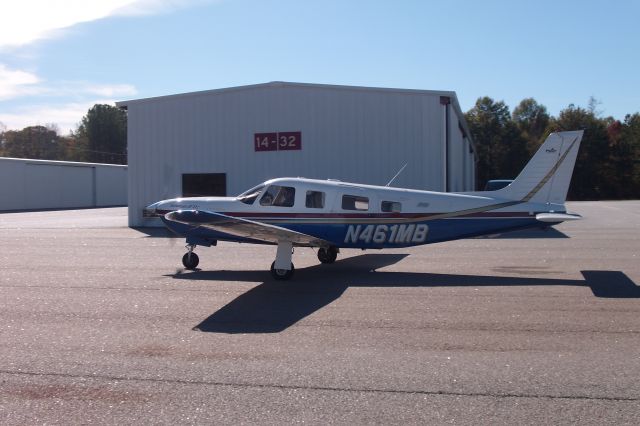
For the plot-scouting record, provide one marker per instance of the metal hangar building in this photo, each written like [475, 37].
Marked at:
[222, 142]
[28, 184]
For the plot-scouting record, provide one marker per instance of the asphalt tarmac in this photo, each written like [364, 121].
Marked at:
[100, 324]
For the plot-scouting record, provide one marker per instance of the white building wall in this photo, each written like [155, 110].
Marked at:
[11, 185]
[57, 186]
[352, 134]
[39, 184]
[111, 186]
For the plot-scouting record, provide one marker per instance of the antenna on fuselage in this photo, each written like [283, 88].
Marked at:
[397, 174]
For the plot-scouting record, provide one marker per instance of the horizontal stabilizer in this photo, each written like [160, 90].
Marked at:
[557, 217]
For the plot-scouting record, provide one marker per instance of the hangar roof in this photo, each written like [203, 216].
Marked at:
[448, 93]
[60, 163]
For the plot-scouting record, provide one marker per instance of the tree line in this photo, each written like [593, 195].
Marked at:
[608, 164]
[101, 137]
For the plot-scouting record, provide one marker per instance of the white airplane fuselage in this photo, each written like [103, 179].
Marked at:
[381, 217]
[331, 214]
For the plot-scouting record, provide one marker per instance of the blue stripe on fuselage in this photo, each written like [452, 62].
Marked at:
[376, 236]
[406, 235]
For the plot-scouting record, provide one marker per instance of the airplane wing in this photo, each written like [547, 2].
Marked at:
[243, 228]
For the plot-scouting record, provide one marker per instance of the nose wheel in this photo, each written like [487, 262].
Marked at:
[190, 260]
[281, 274]
[282, 268]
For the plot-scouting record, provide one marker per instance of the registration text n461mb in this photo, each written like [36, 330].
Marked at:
[392, 234]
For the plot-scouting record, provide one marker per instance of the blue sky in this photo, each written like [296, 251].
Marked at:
[58, 58]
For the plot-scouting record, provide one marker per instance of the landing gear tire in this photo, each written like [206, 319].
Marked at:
[190, 260]
[281, 274]
[327, 255]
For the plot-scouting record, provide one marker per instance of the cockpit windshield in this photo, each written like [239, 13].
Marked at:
[249, 196]
[279, 196]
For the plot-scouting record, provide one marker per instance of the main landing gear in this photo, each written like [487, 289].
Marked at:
[327, 255]
[281, 269]
[190, 260]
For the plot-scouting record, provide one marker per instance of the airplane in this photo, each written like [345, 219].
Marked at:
[331, 215]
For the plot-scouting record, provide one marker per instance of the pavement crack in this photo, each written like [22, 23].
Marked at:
[321, 388]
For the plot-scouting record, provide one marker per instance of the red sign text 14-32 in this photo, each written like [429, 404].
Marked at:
[281, 141]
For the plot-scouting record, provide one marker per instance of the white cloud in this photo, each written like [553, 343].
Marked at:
[18, 83]
[110, 90]
[28, 20]
[65, 116]
[148, 7]
[25, 21]
[15, 83]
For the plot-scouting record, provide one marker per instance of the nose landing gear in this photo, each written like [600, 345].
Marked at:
[281, 274]
[282, 268]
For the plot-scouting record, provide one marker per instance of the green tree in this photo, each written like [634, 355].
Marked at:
[501, 149]
[103, 131]
[74, 148]
[630, 134]
[3, 129]
[532, 120]
[38, 142]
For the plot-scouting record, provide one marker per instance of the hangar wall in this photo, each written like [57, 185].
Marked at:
[353, 134]
[39, 184]
[461, 159]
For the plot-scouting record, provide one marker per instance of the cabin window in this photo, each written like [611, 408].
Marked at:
[354, 202]
[248, 197]
[314, 200]
[279, 196]
[391, 207]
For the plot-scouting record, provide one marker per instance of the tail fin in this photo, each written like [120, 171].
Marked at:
[546, 177]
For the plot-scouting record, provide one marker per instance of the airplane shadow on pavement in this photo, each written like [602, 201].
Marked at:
[273, 306]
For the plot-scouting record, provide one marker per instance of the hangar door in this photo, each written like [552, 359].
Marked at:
[204, 184]
[61, 186]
